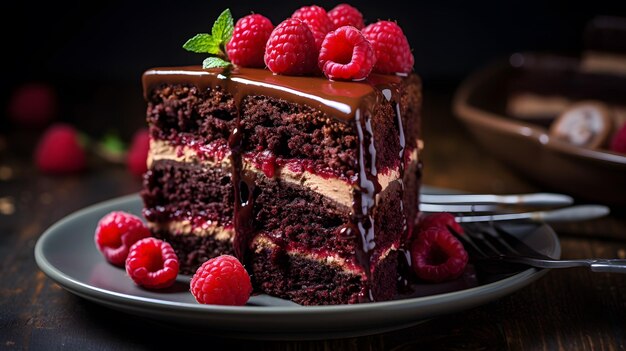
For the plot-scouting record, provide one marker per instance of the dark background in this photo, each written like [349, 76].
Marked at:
[93, 53]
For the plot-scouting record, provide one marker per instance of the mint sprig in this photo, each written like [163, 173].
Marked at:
[214, 44]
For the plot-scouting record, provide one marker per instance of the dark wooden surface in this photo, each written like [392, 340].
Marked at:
[565, 310]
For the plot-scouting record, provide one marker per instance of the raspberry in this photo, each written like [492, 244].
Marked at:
[33, 105]
[116, 233]
[318, 21]
[59, 151]
[391, 47]
[221, 281]
[437, 256]
[440, 220]
[152, 264]
[618, 144]
[346, 54]
[247, 46]
[346, 15]
[137, 157]
[291, 49]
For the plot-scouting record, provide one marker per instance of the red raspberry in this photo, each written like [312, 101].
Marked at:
[247, 46]
[318, 21]
[137, 157]
[221, 281]
[291, 49]
[59, 151]
[346, 15]
[33, 105]
[440, 220]
[346, 54]
[437, 256]
[391, 46]
[152, 263]
[618, 144]
[116, 233]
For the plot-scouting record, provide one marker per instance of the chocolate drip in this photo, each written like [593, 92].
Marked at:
[365, 198]
[243, 186]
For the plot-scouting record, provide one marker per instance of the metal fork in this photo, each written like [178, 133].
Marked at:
[492, 244]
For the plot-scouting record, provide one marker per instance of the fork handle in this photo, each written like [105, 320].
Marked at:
[609, 265]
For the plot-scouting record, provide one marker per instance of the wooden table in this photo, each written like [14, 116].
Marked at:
[566, 309]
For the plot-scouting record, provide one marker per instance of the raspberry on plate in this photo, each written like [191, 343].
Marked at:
[346, 15]
[318, 21]
[392, 49]
[116, 233]
[221, 281]
[346, 54]
[291, 49]
[439, 220]
[137, 157]
[59, 151]
[152, 264]
[437, 256]
[250, 35]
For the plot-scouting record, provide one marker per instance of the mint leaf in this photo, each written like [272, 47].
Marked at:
[214, 44]
[215, 62]
[223, 27]
[203, 43]
[113, 143]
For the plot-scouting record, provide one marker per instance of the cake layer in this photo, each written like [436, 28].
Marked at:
[175, 191]
[307, 282]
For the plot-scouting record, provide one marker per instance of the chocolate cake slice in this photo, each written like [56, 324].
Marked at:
[313, 184]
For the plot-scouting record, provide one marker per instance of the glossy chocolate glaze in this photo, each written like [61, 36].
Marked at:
[337, 99]
[347, 102]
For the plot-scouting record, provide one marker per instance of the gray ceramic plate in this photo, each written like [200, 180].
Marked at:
[67, 254]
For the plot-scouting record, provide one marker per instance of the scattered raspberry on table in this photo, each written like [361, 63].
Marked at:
[59, 151]
[137, 157]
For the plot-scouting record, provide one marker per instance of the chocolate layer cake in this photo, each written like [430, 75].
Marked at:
[312, 184]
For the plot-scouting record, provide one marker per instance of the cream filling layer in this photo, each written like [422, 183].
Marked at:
[262, 242]
[336, 189]
[185, 227]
